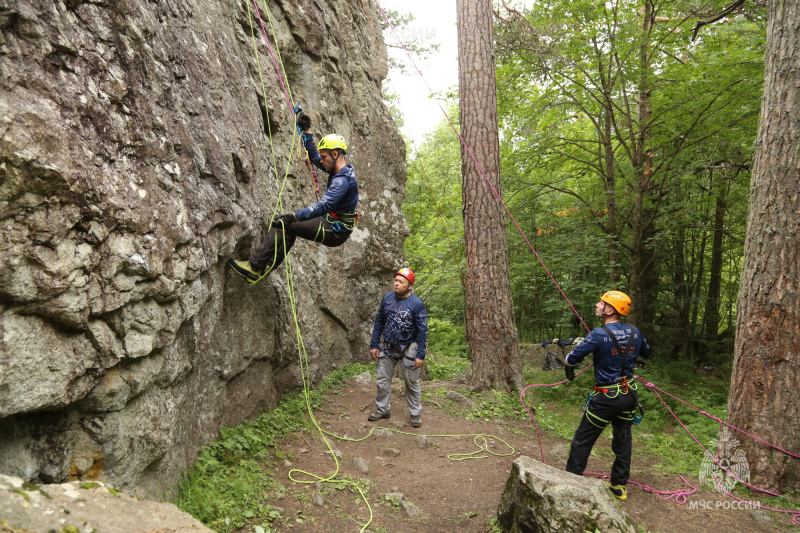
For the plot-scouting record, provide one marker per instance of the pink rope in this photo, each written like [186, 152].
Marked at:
[705, 451]
[274, 60]
[480, 169]
[530, 415]
[652, 386]
[679, 495]
[794, 514]
[285, 91]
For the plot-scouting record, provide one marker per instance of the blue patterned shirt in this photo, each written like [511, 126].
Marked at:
[401, 321]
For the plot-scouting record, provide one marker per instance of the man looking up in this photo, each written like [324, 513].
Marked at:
[402, 320]
[616, 346]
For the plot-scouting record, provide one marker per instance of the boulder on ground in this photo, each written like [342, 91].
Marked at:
[540, 498]
[87, 506]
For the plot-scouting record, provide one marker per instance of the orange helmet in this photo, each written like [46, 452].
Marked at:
[618, 300]
[406, 273]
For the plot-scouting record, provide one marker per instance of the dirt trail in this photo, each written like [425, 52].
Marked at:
[455, 496]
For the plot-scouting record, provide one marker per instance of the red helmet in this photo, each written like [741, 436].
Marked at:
[406, 273]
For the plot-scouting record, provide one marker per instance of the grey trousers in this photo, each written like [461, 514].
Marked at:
[383, 376]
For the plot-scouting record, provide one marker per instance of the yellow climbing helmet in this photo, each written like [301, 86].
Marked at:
[334, 141]
[618, 300]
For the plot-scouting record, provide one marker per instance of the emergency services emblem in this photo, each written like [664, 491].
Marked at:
[723, 464]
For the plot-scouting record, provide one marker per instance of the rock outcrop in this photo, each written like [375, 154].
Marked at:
[541, 499]
[89, 506]
[135, 157]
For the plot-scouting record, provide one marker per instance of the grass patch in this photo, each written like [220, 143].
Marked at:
[225, 487]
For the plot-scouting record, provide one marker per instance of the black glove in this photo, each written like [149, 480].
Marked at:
[283, 220]
[304, 121]
[640, 362]
[570, 372]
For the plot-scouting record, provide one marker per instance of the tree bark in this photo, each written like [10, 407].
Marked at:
[610, 184]
[711, 315]
[642, 262]
[492, 333]
[764, 397]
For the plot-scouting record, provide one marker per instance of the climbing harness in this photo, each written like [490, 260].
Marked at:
[617, 388]
[342, 222]
[386, 351]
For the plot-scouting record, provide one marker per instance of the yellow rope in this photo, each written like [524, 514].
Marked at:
[303, 355]
[482, 448]
[304, 368]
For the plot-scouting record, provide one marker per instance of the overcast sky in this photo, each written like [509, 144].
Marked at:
[435, 20]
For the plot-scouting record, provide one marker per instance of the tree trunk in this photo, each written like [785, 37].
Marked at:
[642, 263]
[711, 316]
[610, 184]
[492, 333]
[691, 333]
[764, 397]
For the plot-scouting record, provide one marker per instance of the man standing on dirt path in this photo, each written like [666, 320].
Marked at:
[616, 347]
[402, 320]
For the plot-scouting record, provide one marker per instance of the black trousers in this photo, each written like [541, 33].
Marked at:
[272, 252]
[613, 408]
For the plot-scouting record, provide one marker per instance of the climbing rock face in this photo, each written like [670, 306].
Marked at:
[541, 498]
[135, 158]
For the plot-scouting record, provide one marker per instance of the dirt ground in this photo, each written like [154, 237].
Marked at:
[456, 496]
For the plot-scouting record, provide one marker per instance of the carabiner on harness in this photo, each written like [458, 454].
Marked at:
[585, 405]
[637, 419]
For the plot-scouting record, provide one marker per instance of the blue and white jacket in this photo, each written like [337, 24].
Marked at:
[608, 366]
[341, 193]
[401, 321]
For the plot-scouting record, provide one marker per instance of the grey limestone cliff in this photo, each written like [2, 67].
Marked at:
[134, 159]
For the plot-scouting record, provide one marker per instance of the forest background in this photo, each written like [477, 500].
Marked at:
[626, 151]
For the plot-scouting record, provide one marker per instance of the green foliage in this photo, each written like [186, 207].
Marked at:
[225, 487]
[495, 526]
[435, 245]
[704, 97]
[448, 352]
[441, 366]
[572, 84]
[447, 338]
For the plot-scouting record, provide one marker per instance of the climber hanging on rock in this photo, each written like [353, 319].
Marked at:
[329, 221]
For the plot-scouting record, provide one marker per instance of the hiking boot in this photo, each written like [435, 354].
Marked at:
[245, 269]
[416, 421]
[377, 415]
[620, 492]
